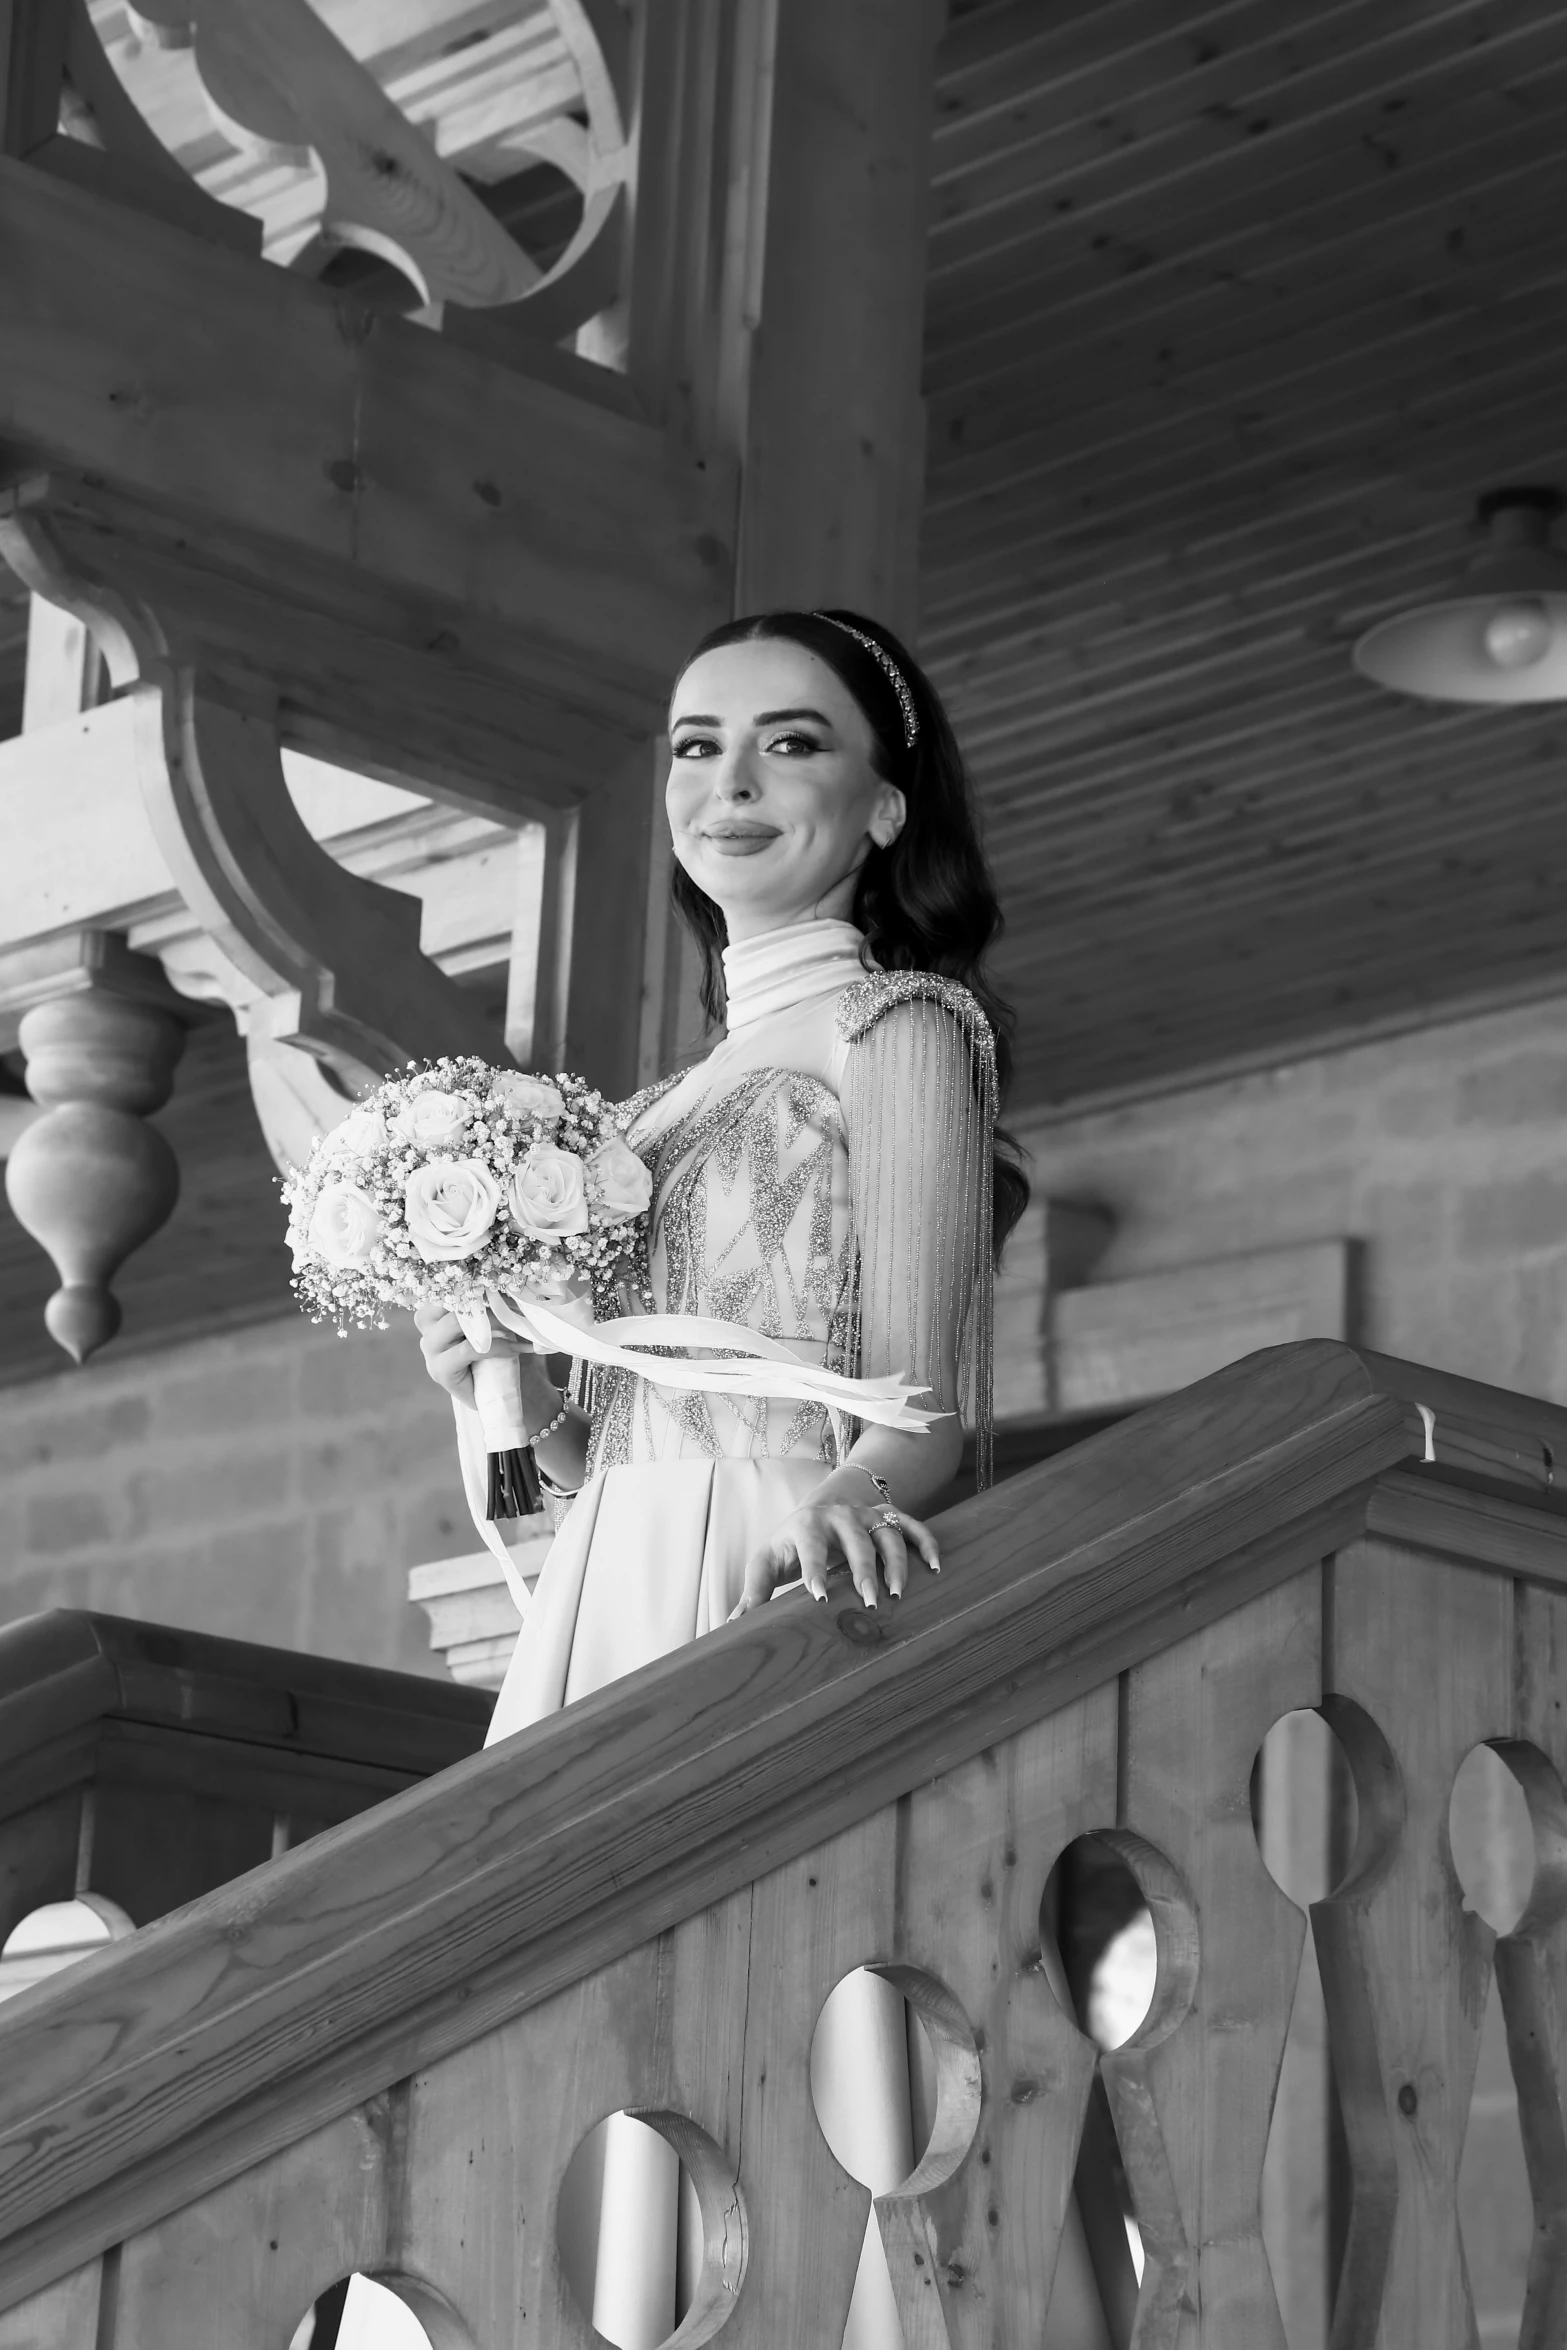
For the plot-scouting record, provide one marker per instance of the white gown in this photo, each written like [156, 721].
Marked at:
[819, 1177]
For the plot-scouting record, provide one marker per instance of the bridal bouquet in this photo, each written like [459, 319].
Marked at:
[488, 1191]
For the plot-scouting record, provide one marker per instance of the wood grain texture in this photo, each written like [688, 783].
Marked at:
[454, 2178]
[375, 673]
[1424, 1513]
[833, 453]
[492, 2130]
[64, 2316]
[336, 956]
[775, 288]
[279, 73]
[189, 1748]
[973, 2236]
[1531, 1961]
[599, 941]
[283, 415]
[246, 2262]
[1192, 2092]
[1418, 1663]
[68, 1668]
[1198, 287]
[269, 2007]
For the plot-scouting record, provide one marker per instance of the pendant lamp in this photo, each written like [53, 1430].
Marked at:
[1502, 635]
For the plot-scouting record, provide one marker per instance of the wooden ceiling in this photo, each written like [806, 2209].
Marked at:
[1233, 312]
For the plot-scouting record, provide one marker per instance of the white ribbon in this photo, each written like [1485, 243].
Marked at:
[747, 1363]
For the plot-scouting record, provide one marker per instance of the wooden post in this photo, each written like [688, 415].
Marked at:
[778, 283]
[774, 317]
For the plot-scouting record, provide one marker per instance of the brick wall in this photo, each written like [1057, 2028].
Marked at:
[1444, 1154]
[276, 1484]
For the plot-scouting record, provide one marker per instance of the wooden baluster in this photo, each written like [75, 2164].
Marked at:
[243, 2263]
[812, 1923]
[1418, 1663]
[66, 2316]
[1531, 1961]
[972, 2240]
[493, 2128]
[91, 1180]
[1192, 2092]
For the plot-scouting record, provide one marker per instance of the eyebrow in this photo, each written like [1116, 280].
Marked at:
[762, 718]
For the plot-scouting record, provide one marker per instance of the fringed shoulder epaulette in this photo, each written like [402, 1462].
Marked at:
[867, 1000]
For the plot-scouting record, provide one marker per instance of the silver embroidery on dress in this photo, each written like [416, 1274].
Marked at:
[751, 1223]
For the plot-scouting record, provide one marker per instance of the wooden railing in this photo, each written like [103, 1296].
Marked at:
[380, 2052]
[148, 1765]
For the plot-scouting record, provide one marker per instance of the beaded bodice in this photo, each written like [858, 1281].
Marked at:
[816, 1179]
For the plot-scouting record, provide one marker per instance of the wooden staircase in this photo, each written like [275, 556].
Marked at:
[379, 2052]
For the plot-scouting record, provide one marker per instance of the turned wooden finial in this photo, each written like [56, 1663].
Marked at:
[90, 1179]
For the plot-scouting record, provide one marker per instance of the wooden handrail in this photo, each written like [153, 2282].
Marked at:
[290, 1996]
[148, 1766]
[67, 1668]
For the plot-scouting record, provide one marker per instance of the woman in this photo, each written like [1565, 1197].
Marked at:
[829, 1175]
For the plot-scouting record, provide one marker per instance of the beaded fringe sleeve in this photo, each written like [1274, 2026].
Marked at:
[919, 1111]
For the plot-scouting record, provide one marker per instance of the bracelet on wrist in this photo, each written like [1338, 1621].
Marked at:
[550, 1426]
[880, 1483]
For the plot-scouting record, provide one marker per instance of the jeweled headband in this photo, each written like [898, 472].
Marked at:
[890, 670]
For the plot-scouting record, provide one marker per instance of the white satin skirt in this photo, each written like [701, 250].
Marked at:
[649, 1557]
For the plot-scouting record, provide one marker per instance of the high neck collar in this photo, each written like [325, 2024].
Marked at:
[771, 974]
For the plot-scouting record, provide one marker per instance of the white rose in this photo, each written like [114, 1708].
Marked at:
[362, 1130]
[451, 1206]
[619, 1181]
[549, 1193]
[345, 1225]
[527, 1097]
[431, 1121]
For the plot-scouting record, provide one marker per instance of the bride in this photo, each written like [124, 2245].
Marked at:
[830, 1176]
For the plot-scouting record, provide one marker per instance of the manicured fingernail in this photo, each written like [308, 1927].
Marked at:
[870, 1599]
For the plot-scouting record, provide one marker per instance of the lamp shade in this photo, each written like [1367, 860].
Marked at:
[1502, 635]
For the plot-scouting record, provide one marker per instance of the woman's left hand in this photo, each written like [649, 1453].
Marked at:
[820, 1534]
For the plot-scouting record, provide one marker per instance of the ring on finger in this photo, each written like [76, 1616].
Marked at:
[888, 1518]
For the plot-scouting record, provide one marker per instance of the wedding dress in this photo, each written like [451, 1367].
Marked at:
[822, 1177]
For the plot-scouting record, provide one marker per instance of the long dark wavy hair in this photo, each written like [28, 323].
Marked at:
[926, 902]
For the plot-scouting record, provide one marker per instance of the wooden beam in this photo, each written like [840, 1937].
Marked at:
[360, 675]
[280, 423]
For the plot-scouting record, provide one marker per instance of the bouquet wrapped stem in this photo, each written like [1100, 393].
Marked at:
[513, 1480]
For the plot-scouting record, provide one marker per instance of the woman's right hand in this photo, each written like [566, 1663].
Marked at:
[448, 1356]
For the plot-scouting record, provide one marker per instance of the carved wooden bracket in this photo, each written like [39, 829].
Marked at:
[102, 1032]
[333, 960]
[278, 82]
